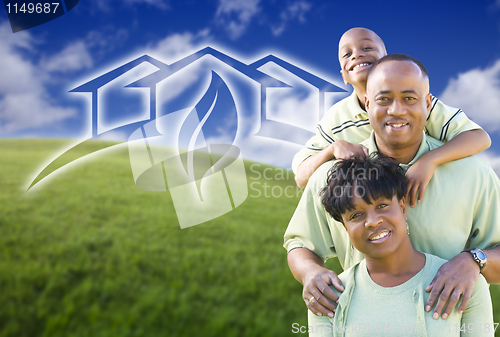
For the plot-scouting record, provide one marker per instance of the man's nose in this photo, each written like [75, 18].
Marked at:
[396, 108]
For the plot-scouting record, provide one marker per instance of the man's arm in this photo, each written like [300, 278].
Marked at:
[457, 278]
[308, 269]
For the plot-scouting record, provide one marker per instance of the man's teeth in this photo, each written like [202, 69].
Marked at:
[381, 235]
[398, 125]
[360, 65]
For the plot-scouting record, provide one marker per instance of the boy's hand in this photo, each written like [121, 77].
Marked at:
[316, 291]
[342, 149]
[419, 175]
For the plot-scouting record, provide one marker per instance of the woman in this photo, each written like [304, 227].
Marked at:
[385, 293]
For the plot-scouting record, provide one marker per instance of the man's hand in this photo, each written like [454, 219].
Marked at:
[455, 278]
[316, 291]
[342, 149]
[419, 175]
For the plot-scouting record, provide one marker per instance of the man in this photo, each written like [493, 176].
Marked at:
[461, 209]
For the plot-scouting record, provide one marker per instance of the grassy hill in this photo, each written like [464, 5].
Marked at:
[87, 253]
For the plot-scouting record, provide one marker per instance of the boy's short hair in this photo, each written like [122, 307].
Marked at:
[371, 178]
[398, 57]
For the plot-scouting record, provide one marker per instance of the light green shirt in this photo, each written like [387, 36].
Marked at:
[346, 120]
[367, 309]
[461, 210]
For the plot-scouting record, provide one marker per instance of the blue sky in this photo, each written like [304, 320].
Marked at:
[459, 42]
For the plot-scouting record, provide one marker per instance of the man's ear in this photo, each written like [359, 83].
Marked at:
[428, 103]
[343, 78]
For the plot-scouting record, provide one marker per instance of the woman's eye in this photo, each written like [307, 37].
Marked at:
[354, 216]
[382, 206]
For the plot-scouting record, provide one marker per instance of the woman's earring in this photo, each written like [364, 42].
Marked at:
[407, 229]
[352, 251]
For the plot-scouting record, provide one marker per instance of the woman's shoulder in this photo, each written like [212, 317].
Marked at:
[433, 263]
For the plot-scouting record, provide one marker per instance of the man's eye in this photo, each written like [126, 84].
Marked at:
[410, 98]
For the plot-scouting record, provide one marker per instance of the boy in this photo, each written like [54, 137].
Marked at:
[346, 124]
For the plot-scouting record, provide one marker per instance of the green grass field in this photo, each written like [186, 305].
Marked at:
[87, 253]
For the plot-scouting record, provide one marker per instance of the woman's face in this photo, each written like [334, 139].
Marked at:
[376, 229]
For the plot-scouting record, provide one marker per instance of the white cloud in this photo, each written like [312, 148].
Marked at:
[295, 11]
[24, 101]
[178, 45]
[74, 57]
[235, 15]
[477, 92]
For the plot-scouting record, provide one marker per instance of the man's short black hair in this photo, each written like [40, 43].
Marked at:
[371, 178]
[398, 57]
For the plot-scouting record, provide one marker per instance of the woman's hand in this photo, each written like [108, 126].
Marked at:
[317, 294]
[419, 175]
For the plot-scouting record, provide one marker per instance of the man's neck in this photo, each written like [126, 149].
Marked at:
[403, 154]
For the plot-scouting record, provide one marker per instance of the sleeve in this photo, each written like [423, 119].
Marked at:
[485, 232]
[309, 227]
[319, 326]
[315, 144]
[444, 122]
[477, 319]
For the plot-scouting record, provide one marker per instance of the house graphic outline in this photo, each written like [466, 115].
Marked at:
[164, 71]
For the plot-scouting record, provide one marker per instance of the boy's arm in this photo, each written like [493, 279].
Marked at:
[340, 149]
[465, 144]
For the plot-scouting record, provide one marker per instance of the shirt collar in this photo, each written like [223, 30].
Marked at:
[424, 147]
[355, 108]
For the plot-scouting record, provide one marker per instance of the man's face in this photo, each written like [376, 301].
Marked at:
[398, 102]
[358, 49]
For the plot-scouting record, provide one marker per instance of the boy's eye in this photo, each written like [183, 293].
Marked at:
[347, 55]
[382, 205]
[367, 48]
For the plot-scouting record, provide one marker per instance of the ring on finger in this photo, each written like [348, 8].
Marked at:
[311, 299]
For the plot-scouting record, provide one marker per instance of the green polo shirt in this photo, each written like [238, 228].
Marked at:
[345, 120]
[360, 314]
[460, 210]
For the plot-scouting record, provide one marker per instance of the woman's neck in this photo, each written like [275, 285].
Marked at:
[395, 269]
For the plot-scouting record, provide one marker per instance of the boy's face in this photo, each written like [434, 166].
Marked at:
[398, 102]
[358, 49]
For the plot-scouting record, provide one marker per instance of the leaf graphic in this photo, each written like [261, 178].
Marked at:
[213, 120]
